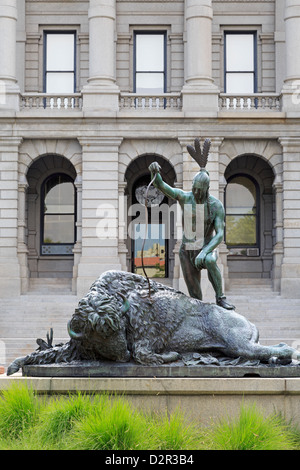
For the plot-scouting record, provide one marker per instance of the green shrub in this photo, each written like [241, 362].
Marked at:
[113, 425]
[19, 410]
[58, 418]
[251, 430]
[174, 432]
[103, 422]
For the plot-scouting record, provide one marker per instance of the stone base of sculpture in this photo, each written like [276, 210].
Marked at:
[98, 369]
[126, 326]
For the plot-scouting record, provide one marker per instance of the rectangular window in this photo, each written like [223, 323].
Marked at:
[150, 63]
[240, 63]
[59, 62]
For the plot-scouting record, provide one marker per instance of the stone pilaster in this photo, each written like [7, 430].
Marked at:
[278, 247]
[290, 268]
[9, 90]
[77, 250]
[200, 95]
[100, 211]
[101, 93]
[10, 274]
[22, 246]
[291, 88]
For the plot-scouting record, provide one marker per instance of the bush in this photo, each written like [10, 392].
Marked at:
[102, 422]
[113, 425]
[19, 410]
[251, 430]
[173, 432]
[57, 419]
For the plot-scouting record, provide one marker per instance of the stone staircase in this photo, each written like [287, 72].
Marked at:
[50, 304]
[277, 319]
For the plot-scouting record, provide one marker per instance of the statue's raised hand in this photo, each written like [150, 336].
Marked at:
[154, 168]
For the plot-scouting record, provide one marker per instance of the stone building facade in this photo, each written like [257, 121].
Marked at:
[93, 91]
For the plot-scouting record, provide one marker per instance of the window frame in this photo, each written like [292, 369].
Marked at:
[164, 72]
[144, 181]
[42, 217]
[257, 215]
[255, 69]
[45, 71]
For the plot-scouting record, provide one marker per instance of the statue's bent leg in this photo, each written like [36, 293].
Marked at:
[214, 273]
[191, 274]
[215, 278]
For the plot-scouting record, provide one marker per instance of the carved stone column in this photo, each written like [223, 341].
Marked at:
[200, 95]
[101, 93]
[9, 90]
[291, 88]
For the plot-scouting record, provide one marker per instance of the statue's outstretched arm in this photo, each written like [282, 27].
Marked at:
[159, 183]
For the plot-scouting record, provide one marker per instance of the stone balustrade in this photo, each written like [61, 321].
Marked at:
[151, 102]
[250, 102]
[165, 101]
[50, 101]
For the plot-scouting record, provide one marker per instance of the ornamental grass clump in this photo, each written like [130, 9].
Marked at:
[19, 410]
[113, 425]
[174, 432]
[252, 430]
[58, 418]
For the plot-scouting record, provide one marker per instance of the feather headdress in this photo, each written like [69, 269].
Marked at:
[200, 156]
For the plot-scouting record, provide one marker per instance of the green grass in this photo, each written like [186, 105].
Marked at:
[19, 410]
[102, 422]
[252, 430]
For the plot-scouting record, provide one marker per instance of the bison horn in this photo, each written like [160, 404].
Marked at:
[126, 304]
[72, 333]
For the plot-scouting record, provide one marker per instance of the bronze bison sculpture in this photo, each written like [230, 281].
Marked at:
[120, 320]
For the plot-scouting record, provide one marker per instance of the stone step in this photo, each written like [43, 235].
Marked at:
[50, 286]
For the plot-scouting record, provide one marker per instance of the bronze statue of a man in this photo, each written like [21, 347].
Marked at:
[200, 237]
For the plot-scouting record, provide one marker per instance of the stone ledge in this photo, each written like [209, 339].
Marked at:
[205, 400]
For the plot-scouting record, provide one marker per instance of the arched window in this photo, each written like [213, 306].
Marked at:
[242, 210]
[58, 215]
[156, 244]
